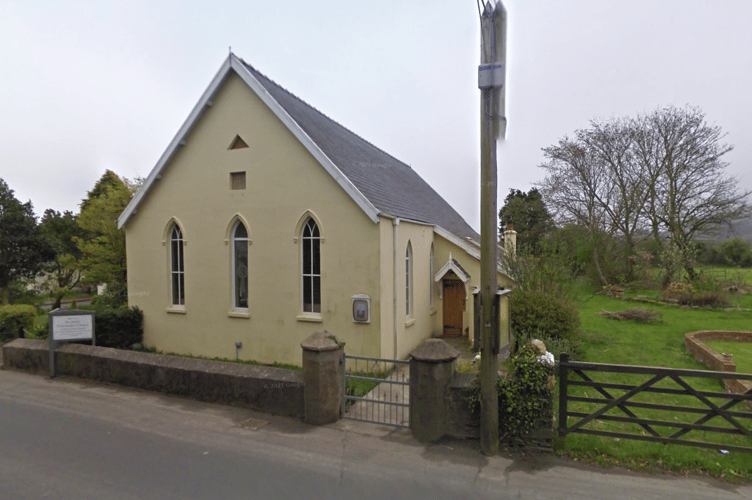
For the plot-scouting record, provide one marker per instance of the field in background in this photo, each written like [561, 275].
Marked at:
[655, 344]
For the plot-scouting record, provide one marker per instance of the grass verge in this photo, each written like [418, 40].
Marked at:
[742, 352]
[606, 340]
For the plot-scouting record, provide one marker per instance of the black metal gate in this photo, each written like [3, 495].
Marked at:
[376, 390]
[636, 410]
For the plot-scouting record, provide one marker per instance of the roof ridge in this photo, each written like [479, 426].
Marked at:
[378, 182]
[250, 66]
[391, 186]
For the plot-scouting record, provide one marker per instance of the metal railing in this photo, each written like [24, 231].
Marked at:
[376, 390]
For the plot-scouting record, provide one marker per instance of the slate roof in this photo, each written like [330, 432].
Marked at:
[373, 178]
[390, 185]
[460, 267]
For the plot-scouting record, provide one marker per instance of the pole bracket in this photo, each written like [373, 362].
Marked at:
[491, 76]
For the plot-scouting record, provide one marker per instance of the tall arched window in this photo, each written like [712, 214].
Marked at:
[177, 266]
[240, 266]
[311, 248]
[409, 280]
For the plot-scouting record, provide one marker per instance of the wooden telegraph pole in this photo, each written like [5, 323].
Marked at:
[491, 76]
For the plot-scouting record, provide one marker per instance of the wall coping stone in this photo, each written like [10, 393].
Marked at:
[321, 341]
[434, 351]
[266, 388]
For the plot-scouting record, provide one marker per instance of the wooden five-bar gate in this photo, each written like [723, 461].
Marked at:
[635, 410]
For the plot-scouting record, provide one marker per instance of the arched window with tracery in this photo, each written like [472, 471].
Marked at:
[177, 266]
[240, 266]
[311, 258]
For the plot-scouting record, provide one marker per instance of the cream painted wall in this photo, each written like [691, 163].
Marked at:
[413, 330]
[442, 250]
[418, 325]
[283, 183]
[386, 290]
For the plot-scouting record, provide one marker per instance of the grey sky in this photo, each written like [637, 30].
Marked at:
[92, 85]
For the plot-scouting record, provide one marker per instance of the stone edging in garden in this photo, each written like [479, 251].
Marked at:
[646, 300]
[695, 343]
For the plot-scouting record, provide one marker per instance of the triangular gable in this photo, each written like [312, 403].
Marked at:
[232, 63]
[379, 184]
[455, 267]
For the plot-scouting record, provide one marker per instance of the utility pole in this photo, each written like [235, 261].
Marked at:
[491, 76]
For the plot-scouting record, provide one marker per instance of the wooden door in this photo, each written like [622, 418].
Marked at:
[454, 305]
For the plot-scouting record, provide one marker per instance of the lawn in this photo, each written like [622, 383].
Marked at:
[627, 342]
[742, 352]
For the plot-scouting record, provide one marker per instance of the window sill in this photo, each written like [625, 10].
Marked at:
[176, 310]
[409, 322]
[239, 314]
[310, 317]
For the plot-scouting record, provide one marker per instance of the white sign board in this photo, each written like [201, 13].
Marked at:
[73, 327]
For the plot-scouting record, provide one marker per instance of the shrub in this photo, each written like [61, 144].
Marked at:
[115, 295]
[15, 317]
[639, 314]
[686, 294]
[735, 252]
[711, 298]
[551, 271]
[524, 396]
[18, 293]
[535, 313]
[118, 327]
[40, 329]
[679, 292]
[554, 346]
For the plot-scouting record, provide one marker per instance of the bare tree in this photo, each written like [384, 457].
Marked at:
[574, 186]
[660, 173]
[690, 193]
[612, 145]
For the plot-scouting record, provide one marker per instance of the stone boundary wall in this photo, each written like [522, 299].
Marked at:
[695, 343]
[268, 389]
[462, 424]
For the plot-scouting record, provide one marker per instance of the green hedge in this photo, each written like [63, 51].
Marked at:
[524, 396]
[537, 315]
[15, 317]
[118, 327]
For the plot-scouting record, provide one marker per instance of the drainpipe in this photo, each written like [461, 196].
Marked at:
[395, 226]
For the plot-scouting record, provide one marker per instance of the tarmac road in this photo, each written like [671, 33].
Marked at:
[66, 438]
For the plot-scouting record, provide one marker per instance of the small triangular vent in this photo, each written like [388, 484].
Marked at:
[238, 143]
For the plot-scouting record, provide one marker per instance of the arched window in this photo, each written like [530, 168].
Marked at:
[177, 266]
[311, 248]
[409, 280]
[240, 266]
